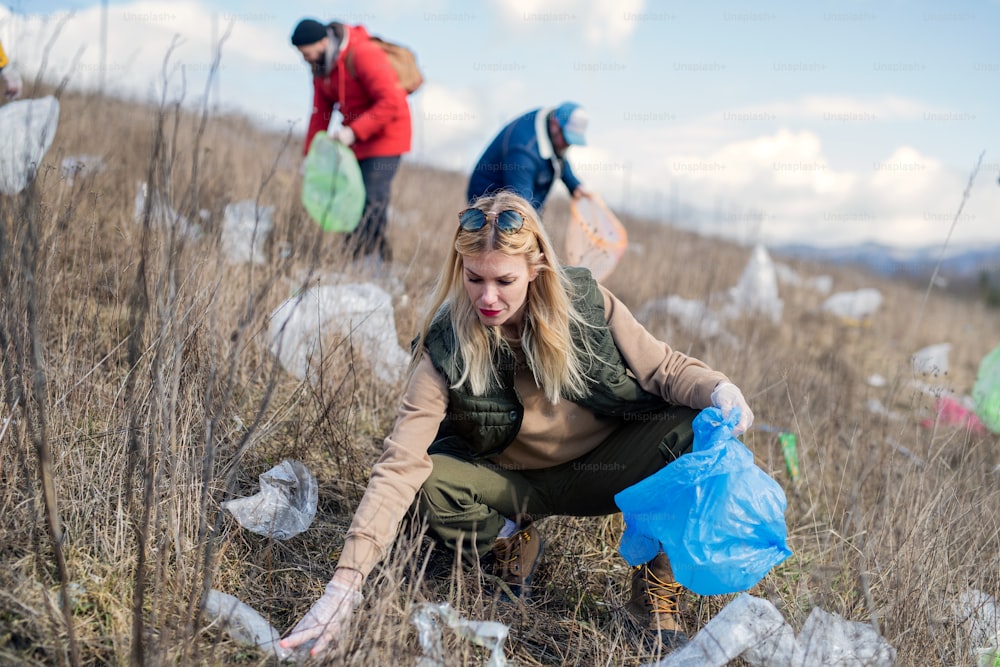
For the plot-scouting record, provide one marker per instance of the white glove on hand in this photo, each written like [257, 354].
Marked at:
[344, 135]
[728, 396]
[326, 619]
[12, 81]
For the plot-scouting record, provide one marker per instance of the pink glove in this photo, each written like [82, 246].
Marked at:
[728, 396]
[326, 619]
[12, 81]
[344, 135]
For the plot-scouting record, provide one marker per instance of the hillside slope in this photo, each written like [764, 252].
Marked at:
[138, 389]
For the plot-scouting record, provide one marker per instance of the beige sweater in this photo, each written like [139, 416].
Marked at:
[550, 434]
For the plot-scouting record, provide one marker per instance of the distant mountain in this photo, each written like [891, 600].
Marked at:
[961, 263]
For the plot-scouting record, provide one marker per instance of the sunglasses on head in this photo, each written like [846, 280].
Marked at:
[507, 221]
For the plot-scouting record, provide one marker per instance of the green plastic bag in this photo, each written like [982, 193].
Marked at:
[333, 192]
[986, 391]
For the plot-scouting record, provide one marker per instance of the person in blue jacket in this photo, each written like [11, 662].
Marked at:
[529, 154]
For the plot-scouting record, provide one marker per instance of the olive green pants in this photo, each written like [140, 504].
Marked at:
[464, 503]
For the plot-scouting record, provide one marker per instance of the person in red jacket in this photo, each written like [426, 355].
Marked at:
[353, 74]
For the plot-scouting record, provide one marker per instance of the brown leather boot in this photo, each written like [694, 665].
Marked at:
[516, 558]
[655, 595]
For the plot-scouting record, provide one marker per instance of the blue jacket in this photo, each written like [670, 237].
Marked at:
[521, 159]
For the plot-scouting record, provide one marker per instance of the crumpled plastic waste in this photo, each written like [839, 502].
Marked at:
[753, 629]
[361, 311]
[27, 128]
[245, 228]
[757, 290]
[952, 413]
[694, 316]
[978, 613]
[161, 214]
[80, 166]
[724, 527]
[854, 306]
[428, 617]
[244, 624]
[931, 360]
[285, 505]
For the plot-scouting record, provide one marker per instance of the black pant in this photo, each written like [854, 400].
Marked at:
[369, 237]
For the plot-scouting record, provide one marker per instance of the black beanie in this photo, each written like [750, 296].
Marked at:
[308, 31]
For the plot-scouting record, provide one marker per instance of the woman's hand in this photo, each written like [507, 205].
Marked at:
[728, 396]
[327, 618]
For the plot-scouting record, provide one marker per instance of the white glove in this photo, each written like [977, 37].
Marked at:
[344, 135]
[12, 81]
[728, 396]
[326, 619]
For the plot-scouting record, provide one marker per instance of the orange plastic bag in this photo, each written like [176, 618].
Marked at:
[595, 238]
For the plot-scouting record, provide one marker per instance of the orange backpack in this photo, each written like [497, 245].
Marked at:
[403, 60]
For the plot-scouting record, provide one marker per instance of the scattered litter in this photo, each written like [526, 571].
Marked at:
[919, 462]
[789, 451]
[935, 390]
[360, 311]
[931, 360]
[27, 128]
[756, 293]
[978, 612]
[856, 306]
[876, 380]
[162, 215]
[245, 228]
[950, 412]
[875, 406]
[285, 505]
[753, 629]
[692, 315]
[789, 276]
[724, 528]
[822, 284]
[428, 617]
[244, 624]
[80, 166]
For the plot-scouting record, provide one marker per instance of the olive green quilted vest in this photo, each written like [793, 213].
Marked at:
[483, 426]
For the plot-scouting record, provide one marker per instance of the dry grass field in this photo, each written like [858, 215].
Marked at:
[138, 394]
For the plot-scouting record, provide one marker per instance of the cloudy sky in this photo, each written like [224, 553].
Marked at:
[827, 122]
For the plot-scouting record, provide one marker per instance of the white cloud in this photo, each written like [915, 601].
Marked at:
[613, 22]
[782, 186]
[446, 122]
[844, 108]
[145, 36]
[603, 22]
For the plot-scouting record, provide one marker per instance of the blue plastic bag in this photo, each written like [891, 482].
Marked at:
[719, 518]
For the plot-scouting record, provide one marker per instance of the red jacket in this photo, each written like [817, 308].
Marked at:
[372, 101]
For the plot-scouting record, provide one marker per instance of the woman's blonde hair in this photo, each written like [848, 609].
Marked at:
[558, 364]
